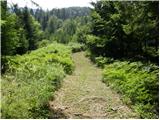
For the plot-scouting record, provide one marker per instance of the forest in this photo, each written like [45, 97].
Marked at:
[45, 52]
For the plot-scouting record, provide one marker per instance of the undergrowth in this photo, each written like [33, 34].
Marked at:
[138, 83]
[76, 47]
[31, 79]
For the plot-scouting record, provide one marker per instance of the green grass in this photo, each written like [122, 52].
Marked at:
[138, 83]
[31, 79]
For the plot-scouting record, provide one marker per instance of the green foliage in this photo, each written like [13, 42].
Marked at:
[72, 30]
[61, 36]
[43, 43]
[150, 52]
[63, 25]
[127, 30]
[130, 28]
[31, 80]
[95, 44]
[76, 47]
[9, 33]
[81, 33]
[69, 27]
[102, 61]
[53, 24]
[66, 32]
[64, 13]
[32, 29]
[94, 41]
[20, 31]
[138, 82]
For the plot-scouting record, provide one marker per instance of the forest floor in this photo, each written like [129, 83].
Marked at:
[84, 95]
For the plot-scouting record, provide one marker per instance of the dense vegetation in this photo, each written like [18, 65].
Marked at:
[31, 76]
[128, 31]
[23, 28]
[62, 24]
[138, 83]
[21, 32]
[31, 80]
[125, 29]
[121, 37]
[63, 14]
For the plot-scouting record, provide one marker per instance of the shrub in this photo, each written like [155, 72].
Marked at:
[136, 81]
[102, 61]
[31, 80]
[76, 47]
[43, 43]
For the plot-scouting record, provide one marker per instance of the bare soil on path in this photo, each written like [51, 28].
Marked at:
[84, 95]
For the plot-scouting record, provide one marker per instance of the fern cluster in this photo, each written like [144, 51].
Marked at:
[138, 83]
[31, 79]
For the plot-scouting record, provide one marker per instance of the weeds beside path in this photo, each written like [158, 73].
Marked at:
[84, 95]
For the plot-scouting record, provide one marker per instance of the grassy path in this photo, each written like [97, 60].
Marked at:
[83, 95]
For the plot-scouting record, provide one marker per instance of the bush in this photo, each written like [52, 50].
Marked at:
[102, 61]
[43, 43]
[76, 47]
[31, 80]
[136, 81]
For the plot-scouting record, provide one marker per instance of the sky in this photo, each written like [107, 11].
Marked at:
[49, 4]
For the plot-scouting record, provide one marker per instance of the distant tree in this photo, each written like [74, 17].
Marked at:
[32, 28]
[9, 33]
[23, 41]
[69, 27]
[53, 24]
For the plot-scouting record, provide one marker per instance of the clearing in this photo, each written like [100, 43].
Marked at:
[84, 95]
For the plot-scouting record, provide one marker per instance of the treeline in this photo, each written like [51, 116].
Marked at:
[25, 29]
[61, 24]
[113, 32]
[20, 30]
[64, 31]
[125, 30]
[30, 77]
[64, 13]
[123, 39]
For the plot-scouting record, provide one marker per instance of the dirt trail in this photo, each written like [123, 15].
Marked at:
[83, 95]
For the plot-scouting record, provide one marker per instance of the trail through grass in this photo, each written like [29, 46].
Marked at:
[84, 95]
